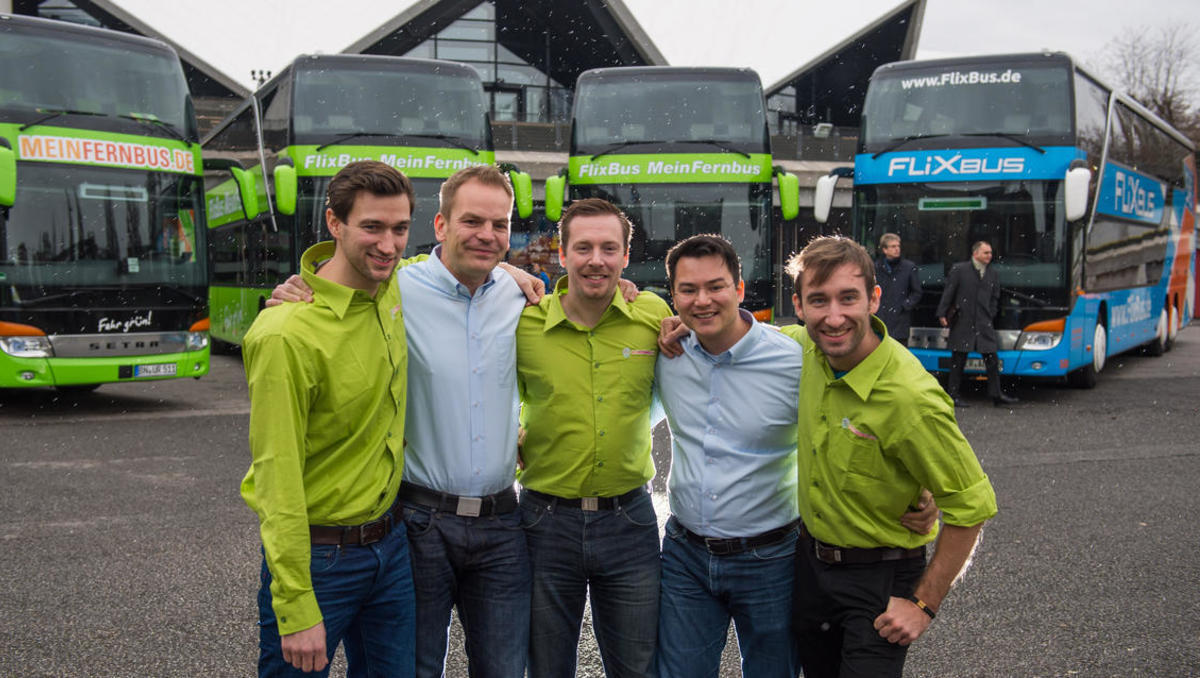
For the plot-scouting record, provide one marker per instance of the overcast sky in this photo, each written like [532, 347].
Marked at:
[775, 37]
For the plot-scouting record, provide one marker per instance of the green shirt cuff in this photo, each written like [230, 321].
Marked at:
[295, 613]
[969, 506]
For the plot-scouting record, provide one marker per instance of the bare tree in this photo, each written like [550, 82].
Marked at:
[1158, 68]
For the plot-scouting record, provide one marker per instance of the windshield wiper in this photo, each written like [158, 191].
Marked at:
[905, 140]
[158, 124]
[623, 144]
[54, 113]
[448, 138]
[723, 145]
[352, 135]
[1025, 297]
[1019, 138]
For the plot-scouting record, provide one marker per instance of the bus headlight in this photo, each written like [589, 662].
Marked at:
[27, 347]
[1038, 341]
[197, 340]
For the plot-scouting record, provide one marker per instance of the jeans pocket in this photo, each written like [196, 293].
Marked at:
[324, 557]
[417, 521]
[778, 550]
[532, 514]
[640, 512]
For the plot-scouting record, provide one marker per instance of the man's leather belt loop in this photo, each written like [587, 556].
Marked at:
[590, 503]
[504, 501]
[356, 535]
[735, 545]
[845, 555]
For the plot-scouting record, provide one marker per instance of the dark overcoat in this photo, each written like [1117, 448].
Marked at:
[976, 302]
[900, 291]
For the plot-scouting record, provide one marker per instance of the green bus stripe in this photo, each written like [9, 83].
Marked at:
[66, 145]
[413, 161]
[670, 168]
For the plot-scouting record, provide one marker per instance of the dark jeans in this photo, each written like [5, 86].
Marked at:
[701, 592]
[481, 567]
[958, 360]
[612, 553]
[366, 598]
[834, 613]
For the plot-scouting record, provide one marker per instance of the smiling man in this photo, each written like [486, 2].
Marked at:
[875, 428]
[327, 410]
[585, 365]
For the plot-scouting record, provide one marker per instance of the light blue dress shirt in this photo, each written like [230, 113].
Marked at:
[733, 432]
[463, 409]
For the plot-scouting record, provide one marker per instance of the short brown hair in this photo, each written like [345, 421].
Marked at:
[887, 239]
[824, 255]
[978, 244]
[593, 207]
[372, 176]
[703, 245]
[488, 175]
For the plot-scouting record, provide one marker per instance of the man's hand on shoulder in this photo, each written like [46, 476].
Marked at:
[306, 649]
[670, 332]
[629, 290]
[531, 286]
[292, 289]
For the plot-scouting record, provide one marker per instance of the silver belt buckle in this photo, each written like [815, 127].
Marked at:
[469, 506]
[590, 503]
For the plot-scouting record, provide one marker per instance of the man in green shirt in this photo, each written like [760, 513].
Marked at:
[585, 372]
[327, 402]
[875, 428]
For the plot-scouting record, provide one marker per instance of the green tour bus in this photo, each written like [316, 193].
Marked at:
[269, 163]
[102, 271]
[682, 151]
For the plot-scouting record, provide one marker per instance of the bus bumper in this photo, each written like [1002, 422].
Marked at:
[1054, 362]
[32, 372]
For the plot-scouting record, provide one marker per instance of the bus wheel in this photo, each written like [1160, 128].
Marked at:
[1158, 345]
[1085, 377]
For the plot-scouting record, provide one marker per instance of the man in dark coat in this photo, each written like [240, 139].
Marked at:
[969, 303]
[901, 288]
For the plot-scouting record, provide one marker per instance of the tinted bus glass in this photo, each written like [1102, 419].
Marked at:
[968, 99]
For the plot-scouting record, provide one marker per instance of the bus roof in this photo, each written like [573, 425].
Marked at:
[86, 33]
[698, 71]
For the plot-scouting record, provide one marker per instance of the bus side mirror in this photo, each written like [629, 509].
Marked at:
[1075, 192]
[556, 193]
[522, 192]
[8, 174]
[823, 197]
[285, 188]
[789, 193]
[247, 191]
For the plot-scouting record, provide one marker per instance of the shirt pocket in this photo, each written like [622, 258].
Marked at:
[858, 458]
[636, 371]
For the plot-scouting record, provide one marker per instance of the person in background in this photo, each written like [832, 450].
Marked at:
[900, 288]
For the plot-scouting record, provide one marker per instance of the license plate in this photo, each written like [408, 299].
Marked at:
[155, 370]
[976, 365]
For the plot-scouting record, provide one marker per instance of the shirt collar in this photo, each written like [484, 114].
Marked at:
[444, 280]
[735, 353]
[862, 377]
[555, 313]
[328, 293]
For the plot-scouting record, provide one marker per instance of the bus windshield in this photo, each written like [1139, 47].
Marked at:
[100, 227]
[46, 72]
[1022, 100]
[364, 99]
[649, 107]
[663, 214]
[937, 222]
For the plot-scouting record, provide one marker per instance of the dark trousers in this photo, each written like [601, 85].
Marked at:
[958, 360]
[834, 611]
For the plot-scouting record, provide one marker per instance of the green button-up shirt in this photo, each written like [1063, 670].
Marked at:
[586, 395]
[327, 396]
[871, 439]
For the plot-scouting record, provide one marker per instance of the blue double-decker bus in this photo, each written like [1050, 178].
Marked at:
[1087, 199]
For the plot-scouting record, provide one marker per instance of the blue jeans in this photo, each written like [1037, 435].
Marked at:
[614, 554]
[366, 598]
[701, 592]
[481, 567]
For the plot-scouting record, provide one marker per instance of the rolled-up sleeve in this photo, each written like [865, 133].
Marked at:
[938, 456]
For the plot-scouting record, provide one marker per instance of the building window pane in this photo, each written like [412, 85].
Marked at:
[469, 30]
[504, 106]
[520, 75]
[459, 50]
[423, 50]
[485, 10]
[485, 72]
[535, 104]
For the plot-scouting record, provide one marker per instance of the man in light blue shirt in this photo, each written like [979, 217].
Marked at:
[730, 401]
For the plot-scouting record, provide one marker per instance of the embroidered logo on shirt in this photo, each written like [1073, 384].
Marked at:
[850, 427]
[629, 351]
[395, 310]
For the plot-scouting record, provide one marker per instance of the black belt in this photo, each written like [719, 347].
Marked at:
[590, 503]
[846, 555]
[356, 535]
[733, 545]
[504, 501]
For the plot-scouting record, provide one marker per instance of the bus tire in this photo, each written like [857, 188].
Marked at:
[1086, 376]
[1158, 346]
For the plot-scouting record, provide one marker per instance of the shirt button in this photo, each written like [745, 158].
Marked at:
[476, 404]
[602, 434]
[816, 484]
[814, 451]
[599, 399]
[600, 464]
[713, 497]
[596, 365]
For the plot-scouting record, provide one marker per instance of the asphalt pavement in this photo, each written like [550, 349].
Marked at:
[127, 551]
